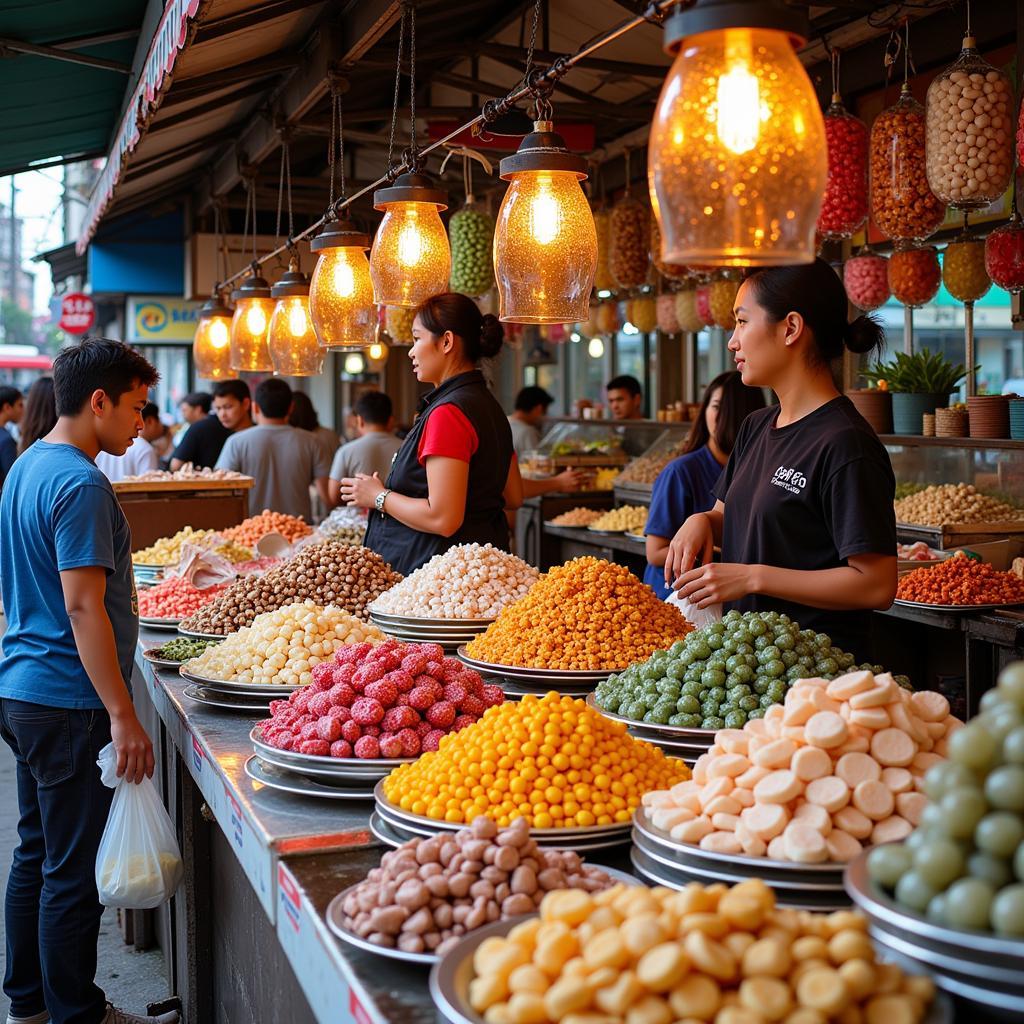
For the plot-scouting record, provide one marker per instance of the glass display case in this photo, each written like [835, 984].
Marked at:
[601, 442]
[995, 467]
[641, 472]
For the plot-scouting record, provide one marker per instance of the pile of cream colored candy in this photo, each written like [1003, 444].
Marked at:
[468, 581]
[838, 766]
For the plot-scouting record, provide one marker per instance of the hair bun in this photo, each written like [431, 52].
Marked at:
[492, 335]
[864, 334]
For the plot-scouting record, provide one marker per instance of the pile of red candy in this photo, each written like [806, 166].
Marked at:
[175, 598]
[390, 700]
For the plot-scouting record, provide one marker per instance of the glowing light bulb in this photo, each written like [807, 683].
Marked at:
[297, 322]
[376, 352]
[738, 121]
[354, 363]
[256, 319]
[219, 335]
[410, 243]
[545, 213]
[595, 348]
[343, 279]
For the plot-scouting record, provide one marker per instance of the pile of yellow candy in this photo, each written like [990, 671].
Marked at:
[551, 760]
[625, 517]
[167, 550]
[653, 956]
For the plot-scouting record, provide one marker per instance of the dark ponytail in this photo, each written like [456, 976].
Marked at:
[481, 334]
[815, 292]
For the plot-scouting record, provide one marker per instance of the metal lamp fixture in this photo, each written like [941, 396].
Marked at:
[411, 258]
[211, 347]
[250, 326]
[340, 292]
[545, 242]
[737, 159]
[294, 348]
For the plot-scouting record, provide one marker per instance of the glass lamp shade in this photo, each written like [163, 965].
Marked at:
[250, 326]
[411, 258]
[737, 159]
[545, 241]
[211, 347]
[294, 349]
[340, 291]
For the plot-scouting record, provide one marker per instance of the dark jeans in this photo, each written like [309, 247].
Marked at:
[52, 910]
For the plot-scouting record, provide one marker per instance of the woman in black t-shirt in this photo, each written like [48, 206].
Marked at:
[804, 515]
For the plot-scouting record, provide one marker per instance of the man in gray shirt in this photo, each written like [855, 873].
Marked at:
[531, 408]
[282, 460]
[373, 450]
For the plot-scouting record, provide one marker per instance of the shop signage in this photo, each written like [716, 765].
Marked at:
[153, 319]
[77, 313]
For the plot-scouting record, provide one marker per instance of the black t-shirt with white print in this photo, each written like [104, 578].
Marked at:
[808, 496]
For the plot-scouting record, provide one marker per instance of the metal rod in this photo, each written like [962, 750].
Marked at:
[68, 56]
[553, 73]
[908, 330]
[972, 383]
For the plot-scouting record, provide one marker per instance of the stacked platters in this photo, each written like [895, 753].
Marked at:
[230, 695]
[517, 682]
[675, 740]
[449, 633]
[662, 860]
[146, 575]
[395, 823]
[168, 624]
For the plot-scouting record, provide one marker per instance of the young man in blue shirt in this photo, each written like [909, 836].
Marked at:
[12, 405]
[72, 612]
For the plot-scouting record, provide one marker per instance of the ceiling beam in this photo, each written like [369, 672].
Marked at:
[202, 85]
[256, 16]
[219, 102]
[80, 42]
[621, 67]
[16, 46]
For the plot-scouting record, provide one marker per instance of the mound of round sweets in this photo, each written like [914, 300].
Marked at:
[281, 648]
[332, 573]
[579, 516]
[626, 517]
[653, 956]
[724, 674]
[388, 700]
[961, 580]
[954, 503]
[840, 765]
[551, 760]
[586, 615]
[250, 530]
[175, 598]
[167, 550]
[963, 865]
[429, 892]
[468, 581]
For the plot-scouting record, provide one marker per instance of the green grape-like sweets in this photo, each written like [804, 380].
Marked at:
[725, 674]
[963, 866]
[472, 234]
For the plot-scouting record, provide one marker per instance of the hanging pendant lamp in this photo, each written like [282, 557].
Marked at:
[545, 242]
[250, 326]
[340, 292]
[411, 258]
[737, 159]
[294, 348]
[211, 347]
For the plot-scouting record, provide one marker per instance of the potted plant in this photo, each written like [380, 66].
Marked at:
[919, 383]
[875, 405]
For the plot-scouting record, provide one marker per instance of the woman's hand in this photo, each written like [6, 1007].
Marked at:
[715, 583]
[361, 490]
[693, 540]
[569, 480]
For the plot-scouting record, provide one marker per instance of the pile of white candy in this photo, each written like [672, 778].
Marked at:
[281, 647]
[468, 581]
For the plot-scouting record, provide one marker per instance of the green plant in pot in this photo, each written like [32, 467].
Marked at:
[919, 383]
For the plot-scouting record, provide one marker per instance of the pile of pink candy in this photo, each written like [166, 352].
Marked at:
[387, 700]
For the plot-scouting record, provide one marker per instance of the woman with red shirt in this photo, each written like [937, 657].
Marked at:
[455, 474]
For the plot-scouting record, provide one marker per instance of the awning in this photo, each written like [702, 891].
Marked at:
[25, 362]
[64, 70]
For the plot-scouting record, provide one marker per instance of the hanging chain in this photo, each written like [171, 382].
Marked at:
[969, 17]
[222, 249]
[533, 42]
[398, 84]
[412, 81]
[835, 70]
[625, 154]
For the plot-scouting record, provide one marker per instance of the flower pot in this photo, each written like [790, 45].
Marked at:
[950, 423]
[908, 411]
[989, 415]
[1017, 419]
[875, 406]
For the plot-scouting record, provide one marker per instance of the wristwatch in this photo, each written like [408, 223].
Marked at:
[378, 502]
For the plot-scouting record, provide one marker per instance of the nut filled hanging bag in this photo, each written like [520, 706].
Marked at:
[138, 864]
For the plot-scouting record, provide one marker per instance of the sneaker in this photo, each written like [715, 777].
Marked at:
[118, 1016]
[42, 1017]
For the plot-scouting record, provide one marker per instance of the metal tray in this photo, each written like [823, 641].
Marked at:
[275, 778]
[359, 767]
[698, 737]
[546, 674]
[955, 607]
[228, 686]
[212, 699]
[169, 624]
[476, 625]
[151, 656]
[203, 636]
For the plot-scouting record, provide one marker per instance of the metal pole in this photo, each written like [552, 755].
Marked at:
[908, 330]
[12, 256]
[972, 384]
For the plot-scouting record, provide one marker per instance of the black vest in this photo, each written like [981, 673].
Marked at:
[407, 549]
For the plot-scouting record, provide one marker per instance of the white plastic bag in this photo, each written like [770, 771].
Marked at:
[697, 617]
[138, 864]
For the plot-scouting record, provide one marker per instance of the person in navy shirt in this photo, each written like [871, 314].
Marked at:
[12, 406]
[72, 614]
[684, 486]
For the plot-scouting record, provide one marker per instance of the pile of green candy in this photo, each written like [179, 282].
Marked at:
[183, 649]
[724, 674]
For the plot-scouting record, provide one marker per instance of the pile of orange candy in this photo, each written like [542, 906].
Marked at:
[961, 580]
[250, 530]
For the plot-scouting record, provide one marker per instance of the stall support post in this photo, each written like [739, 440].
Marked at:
[690, 366]
[972, 384]
[908, 330]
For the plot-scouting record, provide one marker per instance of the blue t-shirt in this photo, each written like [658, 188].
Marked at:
[8, 453]
[58, 511]
[682, 489]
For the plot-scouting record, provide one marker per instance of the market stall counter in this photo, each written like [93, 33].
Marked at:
[245, 937]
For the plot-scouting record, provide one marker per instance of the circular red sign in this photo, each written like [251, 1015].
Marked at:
[77, 313]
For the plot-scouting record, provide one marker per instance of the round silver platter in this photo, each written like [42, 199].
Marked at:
[955, 607]
[417, 621]
[277, 778]
[979, 966]
[192, 635]
[153, 658]
[169, 624]
[321, 767]
[695, 737]
[450, 978]
[334, 918]
[223, 701]
[249, 689]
